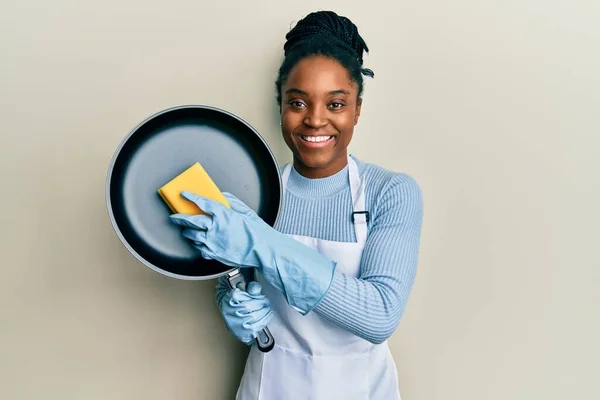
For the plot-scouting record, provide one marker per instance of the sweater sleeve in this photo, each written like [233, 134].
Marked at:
[371, 305]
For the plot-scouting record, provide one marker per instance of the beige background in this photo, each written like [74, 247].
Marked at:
[492, 108]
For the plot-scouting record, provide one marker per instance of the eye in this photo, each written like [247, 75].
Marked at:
[336, 105]
[297, 103]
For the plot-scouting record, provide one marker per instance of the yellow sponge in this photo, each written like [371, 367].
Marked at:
[194, 179]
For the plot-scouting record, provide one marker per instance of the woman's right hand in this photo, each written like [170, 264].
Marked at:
[246, 314]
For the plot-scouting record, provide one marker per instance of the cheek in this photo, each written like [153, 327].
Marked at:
[289, 121]
[345, 123]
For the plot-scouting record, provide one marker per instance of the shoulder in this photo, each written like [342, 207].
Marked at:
[388, 190]
[380, 180]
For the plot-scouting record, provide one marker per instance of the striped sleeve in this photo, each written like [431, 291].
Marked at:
[372, 305]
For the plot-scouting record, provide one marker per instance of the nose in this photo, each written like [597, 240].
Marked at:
[315, 118]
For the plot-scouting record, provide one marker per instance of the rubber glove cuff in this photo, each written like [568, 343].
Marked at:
[300, 273]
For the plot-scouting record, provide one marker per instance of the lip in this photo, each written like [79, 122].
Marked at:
[315, 145]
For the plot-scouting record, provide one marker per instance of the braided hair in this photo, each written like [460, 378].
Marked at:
[326, 34]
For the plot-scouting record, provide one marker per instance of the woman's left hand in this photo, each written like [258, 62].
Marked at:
[228, 235]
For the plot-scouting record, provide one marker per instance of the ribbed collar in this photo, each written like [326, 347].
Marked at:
[317, 188]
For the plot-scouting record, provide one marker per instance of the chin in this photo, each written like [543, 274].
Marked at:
[316, 161]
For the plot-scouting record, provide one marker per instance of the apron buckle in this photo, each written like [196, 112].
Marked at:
[366, 213]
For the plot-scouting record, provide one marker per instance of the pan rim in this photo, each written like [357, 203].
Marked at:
[115, 156]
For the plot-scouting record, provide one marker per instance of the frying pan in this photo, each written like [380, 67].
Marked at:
[162, 146]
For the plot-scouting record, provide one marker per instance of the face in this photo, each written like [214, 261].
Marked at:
[319, 109]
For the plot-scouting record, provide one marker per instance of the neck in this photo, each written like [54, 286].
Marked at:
[322, 171]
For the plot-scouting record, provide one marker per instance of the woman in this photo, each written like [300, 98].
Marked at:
[334, 276]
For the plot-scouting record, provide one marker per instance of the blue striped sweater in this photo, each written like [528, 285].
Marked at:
[371, 305]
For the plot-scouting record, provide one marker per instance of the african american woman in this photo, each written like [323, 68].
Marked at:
[332, 278]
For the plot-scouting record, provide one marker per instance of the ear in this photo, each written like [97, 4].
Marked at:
[357, 112]
[280, 115]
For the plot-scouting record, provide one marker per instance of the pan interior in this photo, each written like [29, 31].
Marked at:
[233, 154]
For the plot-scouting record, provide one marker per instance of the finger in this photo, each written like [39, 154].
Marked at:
[205, 251]
[242, 296]
[236, 297]
[259, 325]
[253, 329]
[196, 235]
[236, 204]
[254, 288]
[205, 204]
[254, 316]
[199, 221]
[248, 338]
[253, 309]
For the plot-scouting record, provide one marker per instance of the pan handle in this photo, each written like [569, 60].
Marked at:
[264, 340]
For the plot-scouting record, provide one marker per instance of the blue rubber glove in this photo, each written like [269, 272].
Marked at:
[246, 313]
[238, 237]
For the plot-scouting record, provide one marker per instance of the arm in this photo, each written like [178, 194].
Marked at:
[371, 305]
[237, 237]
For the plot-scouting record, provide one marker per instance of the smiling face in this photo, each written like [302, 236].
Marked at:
[319, 109]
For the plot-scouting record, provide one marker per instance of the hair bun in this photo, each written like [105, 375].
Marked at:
[324, 33]
[320, 24]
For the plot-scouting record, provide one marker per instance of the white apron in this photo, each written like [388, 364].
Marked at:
[314, 359]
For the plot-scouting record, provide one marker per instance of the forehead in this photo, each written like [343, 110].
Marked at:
[318, 74]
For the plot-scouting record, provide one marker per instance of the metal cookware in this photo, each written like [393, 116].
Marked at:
[162, 146]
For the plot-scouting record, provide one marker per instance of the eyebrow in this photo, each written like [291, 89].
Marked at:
[302, 92]
[295, 91]
[338, 91]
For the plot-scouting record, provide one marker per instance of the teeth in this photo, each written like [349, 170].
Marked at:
[316, 139]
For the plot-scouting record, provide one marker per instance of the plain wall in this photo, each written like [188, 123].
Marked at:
[492, 106]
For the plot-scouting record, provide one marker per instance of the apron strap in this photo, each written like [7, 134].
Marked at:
[360, 216]
[285, 175]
